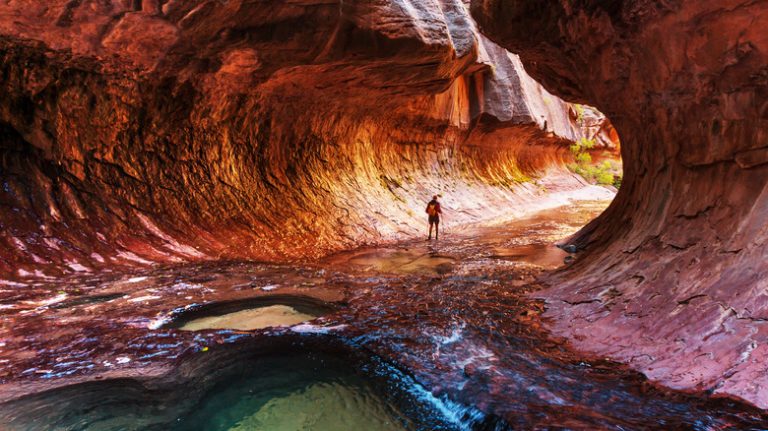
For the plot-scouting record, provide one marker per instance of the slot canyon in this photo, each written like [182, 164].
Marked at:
[213, 214]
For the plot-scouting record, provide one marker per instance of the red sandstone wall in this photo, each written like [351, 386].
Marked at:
[674, 276]
[189, 130]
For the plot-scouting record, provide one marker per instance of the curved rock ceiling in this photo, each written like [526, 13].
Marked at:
[137, 132]
[134, 132]
[675, 277]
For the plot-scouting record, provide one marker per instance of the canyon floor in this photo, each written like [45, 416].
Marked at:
[449, 323]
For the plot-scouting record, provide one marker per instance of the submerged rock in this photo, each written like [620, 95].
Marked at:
[258, 318]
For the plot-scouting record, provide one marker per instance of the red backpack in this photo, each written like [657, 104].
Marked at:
[432, 209]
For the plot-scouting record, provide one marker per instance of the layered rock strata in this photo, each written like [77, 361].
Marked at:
[168, 131]
[673, 275]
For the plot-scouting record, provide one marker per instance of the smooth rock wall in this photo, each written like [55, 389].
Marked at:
[142, 132]
[673, 275]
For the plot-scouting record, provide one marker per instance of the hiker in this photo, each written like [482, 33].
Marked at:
[434, 211]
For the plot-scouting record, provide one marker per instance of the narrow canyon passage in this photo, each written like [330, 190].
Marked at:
[450, 323]
[195, 192]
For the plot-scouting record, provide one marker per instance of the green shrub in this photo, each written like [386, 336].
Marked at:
[584, 158]
[585, 173]
[606, 173]
[587, 144]
[579, 112]
[604, 178]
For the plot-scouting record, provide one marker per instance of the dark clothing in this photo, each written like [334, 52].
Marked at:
[434, 219]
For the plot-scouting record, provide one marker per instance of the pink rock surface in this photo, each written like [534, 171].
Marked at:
[672, 279]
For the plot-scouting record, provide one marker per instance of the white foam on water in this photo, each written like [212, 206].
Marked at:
[463, 417]
[477, 355]
[441, 340]
[455, 335]
[308, 328]
[158, 323]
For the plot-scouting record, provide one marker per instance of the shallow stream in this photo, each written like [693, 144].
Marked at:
[420, 335]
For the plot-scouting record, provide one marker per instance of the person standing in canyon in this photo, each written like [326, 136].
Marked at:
[434, 212]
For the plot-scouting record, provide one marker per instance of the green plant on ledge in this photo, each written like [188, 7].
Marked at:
[579, 113]
[606, 173]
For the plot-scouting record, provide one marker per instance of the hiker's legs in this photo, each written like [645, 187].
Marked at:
[430, 231]
[437, 228]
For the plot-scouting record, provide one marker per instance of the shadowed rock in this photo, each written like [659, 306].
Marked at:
[674, 279]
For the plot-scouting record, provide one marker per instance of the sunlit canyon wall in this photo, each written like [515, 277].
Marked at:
[174, 131]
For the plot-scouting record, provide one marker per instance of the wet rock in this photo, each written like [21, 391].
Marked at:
[684, 84]
[245, 312]
[470, 370]
[221, 388]
[467, 344]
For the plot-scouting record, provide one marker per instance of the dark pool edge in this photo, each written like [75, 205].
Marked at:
[184, 371]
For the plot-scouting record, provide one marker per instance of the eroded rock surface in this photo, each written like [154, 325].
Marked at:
[169, 131]
[470, 339]
[675, 274]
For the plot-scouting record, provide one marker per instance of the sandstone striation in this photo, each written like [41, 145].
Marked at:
[673, 275]
[138, 132]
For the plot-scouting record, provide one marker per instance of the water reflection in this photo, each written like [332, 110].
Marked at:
[455, 314]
